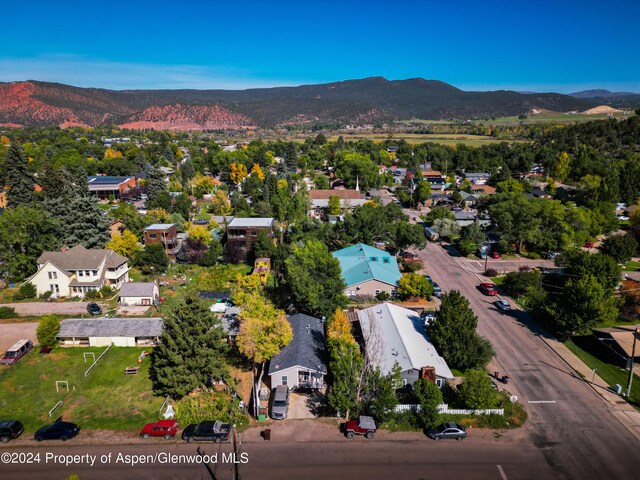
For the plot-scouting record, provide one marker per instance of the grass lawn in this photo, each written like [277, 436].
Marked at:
[105, 399]
[611, 374]
[631, 266]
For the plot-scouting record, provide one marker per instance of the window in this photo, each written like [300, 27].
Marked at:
[54, 288]
[53, 275]
[386, 260]
[376, 292]
[439, 382]
[253, 233]
[153, 235]
[80, 273]
[373, 259]
[404, 382]
[285, 380]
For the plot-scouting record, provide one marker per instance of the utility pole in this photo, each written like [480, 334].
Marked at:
[633, 354]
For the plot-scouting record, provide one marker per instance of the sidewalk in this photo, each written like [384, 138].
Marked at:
[629, 416]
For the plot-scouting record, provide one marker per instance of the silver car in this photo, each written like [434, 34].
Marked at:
[280, 402]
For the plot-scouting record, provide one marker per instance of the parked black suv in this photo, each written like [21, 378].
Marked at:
[10, 430]
[58, 430]
[94, 309]
[214, 431]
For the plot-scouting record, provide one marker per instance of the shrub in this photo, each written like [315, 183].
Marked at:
[206, 405]
[106, 291]
[48, 328]
[383, 296]
[518, 283]
[413, 285]
[28, 290]
[92, 295]
[476, 390]
[7, 312]
[46, 295]
[491, 272]
[411, 266]
[532, 255]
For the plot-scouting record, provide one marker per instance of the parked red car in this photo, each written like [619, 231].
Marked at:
[589, 245]
[495, 255]
[161, 428]
[488, 288]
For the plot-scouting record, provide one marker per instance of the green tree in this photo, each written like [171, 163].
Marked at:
[152, 259]
[453, 333]
[476, 391]
[578, 263]
[583, 304]
[191, 353]
[562, 167]
[620, 247]
[128, 214]
[155, 184]
[429, 398]
[315, 280]
[264, 247]
[446, 228]
[334, 205]
[25, 233]
[438, 213]
[413, 285]
[422, 192]
[187, 171]
[48, 328]
[345, 365]
[18, 178]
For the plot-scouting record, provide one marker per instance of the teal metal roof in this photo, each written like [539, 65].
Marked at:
[361, 262]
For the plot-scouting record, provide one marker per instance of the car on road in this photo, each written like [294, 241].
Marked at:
[502, 305]
[447, 430]
[589, 245]
[428, 317]
[161, 428]
[10, 430]
[437, 291]
[488, 288]
[211, 431]
[94, 309]
[363, 425]
[58, 430]
[428, 277]
[495, 255]
[408, 255]
[553, 255]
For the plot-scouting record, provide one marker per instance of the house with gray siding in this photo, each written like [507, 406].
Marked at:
[301, 364]
[396, 334]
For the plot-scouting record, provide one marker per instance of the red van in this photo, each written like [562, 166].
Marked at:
[16, 352]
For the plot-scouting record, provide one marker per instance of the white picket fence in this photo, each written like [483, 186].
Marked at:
[444, 408]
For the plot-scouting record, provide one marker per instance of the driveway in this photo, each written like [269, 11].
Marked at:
[36, 309]
[135, 311]
[10, 333]
[305, 405]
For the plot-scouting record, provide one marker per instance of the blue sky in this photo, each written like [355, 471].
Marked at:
[476, 45]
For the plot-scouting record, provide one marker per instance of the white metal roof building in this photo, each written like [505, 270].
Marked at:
[99, 332]
[250, 222]
[396, 334]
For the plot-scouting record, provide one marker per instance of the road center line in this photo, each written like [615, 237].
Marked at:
[542, 401]
[504, 477]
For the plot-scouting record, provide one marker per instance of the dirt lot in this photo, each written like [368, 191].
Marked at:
[10, 333]
[36, 309]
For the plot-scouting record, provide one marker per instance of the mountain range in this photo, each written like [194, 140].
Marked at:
[371, 100]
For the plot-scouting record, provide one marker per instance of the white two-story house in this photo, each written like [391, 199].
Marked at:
[74, 272]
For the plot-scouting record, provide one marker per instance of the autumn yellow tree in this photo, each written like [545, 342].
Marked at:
[562, 167]
[157, 215]
[126, 244]
[339, 328]
[264, 329]
[199, 233]
[258, 171]
[111, 153]
[237, 173]
[201, 184]
[220, 204]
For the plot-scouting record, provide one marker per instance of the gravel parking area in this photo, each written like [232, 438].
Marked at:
[36, 309]
[10, 333]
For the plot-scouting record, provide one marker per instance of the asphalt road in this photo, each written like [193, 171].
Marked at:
[569, 424]
[415, 458]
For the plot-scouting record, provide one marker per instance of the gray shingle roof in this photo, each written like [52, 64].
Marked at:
[80, 258]
[110, 327]
[307, 347]
[137, 289]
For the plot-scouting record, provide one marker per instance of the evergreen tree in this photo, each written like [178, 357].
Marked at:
[155, 184]
[453, 333]
[187, 171]
[429, 397]
[191, 350]
[19, 179]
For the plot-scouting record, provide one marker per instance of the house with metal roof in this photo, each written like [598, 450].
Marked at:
[396, 334]
[74, 272]
[139, 294]
[320, 201]
[301, 364]
[101, 332]
[367, 271]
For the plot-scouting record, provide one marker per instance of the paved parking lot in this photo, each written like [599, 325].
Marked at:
[10, 333]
